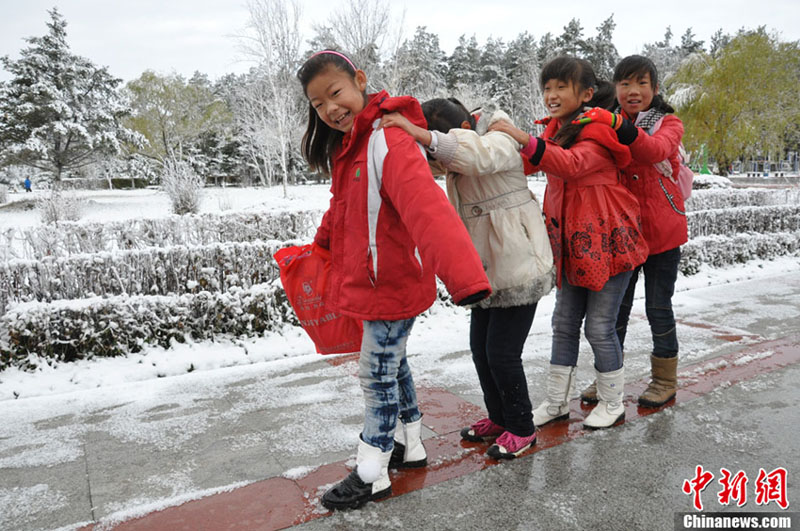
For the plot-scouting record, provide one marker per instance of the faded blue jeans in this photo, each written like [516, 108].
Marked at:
[660, 275]
[600, 308]
[389, 391]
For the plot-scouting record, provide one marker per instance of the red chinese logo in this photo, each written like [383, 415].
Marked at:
[769, 487]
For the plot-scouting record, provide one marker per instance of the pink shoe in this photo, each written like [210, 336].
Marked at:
[509, 446]
[481, 431]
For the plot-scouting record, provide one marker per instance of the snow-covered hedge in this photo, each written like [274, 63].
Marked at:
[721, 199]
[70, 238]
[153, 271]
[78, 329]
[758, 219]
[723, 250]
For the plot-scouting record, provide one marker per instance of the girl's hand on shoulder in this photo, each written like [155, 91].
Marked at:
[504, 126]
[395, 119]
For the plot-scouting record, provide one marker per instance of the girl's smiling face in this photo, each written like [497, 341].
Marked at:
[337, 97]
[562, 98]
[635, 94]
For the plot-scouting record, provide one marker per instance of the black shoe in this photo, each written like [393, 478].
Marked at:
[352, 493]
[398, 456]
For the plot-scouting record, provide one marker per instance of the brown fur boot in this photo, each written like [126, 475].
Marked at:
[664, 382]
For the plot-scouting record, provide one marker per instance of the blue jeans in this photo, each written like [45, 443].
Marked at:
[600, 309]
[386, 380]
[660, 274]
[496, 338]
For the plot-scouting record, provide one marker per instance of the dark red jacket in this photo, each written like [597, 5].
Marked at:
[391, 229]
[593, 221]
[663, 211]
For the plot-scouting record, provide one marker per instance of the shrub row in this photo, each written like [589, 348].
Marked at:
[721, 250]
[154, 271]
[72, 330]
[729, 198]
[70, 238]
[758, 219]
[115, 326]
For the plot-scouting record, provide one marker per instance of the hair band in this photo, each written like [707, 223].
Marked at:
[343, 56]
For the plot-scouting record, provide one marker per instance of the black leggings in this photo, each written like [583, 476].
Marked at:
[496, 337]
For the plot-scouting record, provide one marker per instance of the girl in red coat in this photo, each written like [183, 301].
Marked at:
[647, 125]
[390, 230]
[595, 230]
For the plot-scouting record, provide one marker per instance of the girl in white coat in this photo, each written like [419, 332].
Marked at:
[488, 188]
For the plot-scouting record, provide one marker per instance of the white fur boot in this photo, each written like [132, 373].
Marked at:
[609, 409]
[560, 386]
[408, 449]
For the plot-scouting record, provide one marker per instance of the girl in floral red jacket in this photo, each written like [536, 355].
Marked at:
[390, 231]
[647, 125]
[595, 230]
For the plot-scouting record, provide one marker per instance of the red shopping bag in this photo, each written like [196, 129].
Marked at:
[305, 271]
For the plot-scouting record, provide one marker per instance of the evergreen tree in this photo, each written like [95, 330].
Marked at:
[59, 111]
[420, 66]
[688, 43]
[571, 42]
[600, 50]
[494, 78]
[523, 68]
[462, 65]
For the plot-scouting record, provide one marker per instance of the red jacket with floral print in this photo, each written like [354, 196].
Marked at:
[593, 221]
[390, 228]
[663, 212]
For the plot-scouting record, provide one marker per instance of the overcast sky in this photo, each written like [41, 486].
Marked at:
[187, 35]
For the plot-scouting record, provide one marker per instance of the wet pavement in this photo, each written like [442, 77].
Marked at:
[225, 451]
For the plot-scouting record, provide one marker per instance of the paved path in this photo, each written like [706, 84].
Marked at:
[229, 439]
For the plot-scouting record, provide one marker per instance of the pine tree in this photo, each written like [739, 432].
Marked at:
[571, 42]
[420, 64]
[462, 65]
[601, 52]
[59, 111]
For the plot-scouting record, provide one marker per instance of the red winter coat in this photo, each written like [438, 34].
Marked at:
[391, 232]
[663, 212]
[593, 221]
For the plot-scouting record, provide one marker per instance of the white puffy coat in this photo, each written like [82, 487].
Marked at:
[488, 188]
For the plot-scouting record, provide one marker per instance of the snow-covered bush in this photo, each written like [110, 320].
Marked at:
[153, 271]
[718, 198]
[757, 219]
[702, 181]
[183, 186]
[723, 250]
[70, 238]
[57, 206]
[71, 330]
[3, 194]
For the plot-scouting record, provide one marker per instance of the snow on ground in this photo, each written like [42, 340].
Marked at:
[437, 333]
[118, 205]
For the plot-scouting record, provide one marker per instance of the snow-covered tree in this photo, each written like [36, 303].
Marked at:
[571, 41]
[59, 111]
[420, 64]
[462, 65]
[362, 29]
[600, 50]
[276, 102]
[523, 70]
